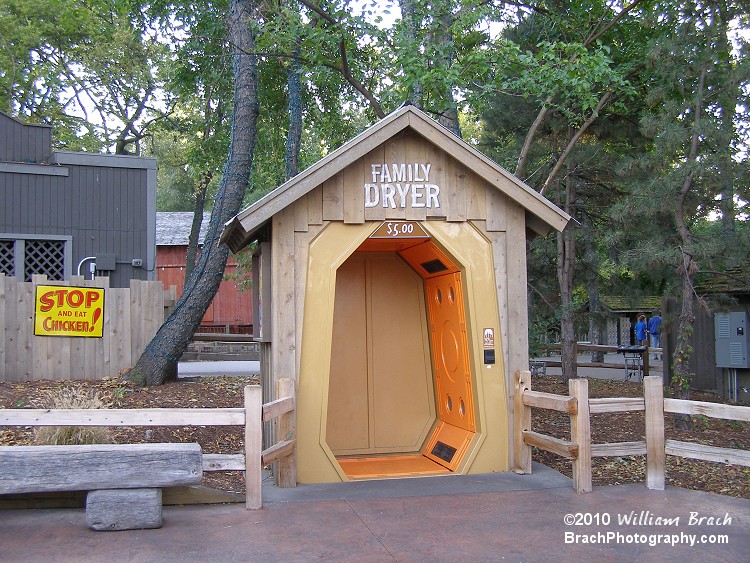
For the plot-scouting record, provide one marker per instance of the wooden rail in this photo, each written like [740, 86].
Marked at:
[586, 347]
[251, 417]
[223, 337]
[607, 349]
[580, 449]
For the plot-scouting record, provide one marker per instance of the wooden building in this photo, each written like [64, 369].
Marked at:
[391, 286]
[230, 310]
[68, 213]
[621, 313]
[724, 292]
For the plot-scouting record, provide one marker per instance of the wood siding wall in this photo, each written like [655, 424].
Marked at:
[20, 142]
[131, 318]
[231, 307]
[464, 196]
[105, 210]
[707, 377]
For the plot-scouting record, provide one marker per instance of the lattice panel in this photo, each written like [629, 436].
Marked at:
[7, 258]
[45, 257]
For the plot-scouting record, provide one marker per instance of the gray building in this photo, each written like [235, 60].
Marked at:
[66, 213]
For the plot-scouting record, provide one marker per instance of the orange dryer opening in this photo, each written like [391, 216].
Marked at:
[450, 354]
[400, 392]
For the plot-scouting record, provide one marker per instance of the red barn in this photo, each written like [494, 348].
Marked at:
[230, 311]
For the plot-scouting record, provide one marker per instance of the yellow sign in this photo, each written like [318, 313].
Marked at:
[69, 311]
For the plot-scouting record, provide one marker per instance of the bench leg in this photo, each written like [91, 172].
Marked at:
[123, 509]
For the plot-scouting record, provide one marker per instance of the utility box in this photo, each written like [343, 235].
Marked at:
[732, 340]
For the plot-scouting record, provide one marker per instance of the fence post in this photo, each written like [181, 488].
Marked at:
[653, 395]
[580, 433]
[522, 422]
[286, 470]
[253, 446]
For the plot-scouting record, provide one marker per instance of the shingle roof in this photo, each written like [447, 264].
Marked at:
[173, 227]
[733, 280]
[631, 304]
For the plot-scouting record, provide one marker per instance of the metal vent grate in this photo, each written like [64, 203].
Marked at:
[434, 266]
[723, 325]
[7, 258]
[736, 356]
[443, 451]
[45, 257]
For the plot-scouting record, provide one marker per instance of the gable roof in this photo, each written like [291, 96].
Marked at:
[542, 215]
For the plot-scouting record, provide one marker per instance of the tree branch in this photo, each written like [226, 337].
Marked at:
[523, 156]
[581, 130]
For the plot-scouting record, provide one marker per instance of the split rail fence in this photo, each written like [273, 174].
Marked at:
[131, 318]
[250, 416]
[579, 448]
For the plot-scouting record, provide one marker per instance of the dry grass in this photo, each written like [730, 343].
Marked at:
[71, 398]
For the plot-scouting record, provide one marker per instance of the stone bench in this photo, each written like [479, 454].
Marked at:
[123, 481]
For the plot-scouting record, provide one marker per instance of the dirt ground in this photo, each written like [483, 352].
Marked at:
[719, 478]
[214, 392]
[204, 392]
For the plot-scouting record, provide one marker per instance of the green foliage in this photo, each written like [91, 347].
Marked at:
[113, 75]
[88, 69]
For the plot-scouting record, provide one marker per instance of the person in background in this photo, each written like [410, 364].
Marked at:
[641, 331]
[654, 330]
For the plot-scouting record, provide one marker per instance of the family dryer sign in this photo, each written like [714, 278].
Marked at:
[401, 185]
[69, 311]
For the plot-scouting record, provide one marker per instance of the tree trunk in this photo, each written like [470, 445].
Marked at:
[566, 253]
[728, 96]
[159, 361]
[195, 229]
[443, 37]
[408, 11]
[565, 266]
[597, 326]
[681, 374]
[294, 135]
[596, 320]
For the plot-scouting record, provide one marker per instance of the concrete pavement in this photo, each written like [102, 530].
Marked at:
[208, 368]
[454, 518]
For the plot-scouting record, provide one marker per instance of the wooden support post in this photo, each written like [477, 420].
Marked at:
[580, 433]
[522, 423]
[645, 364]
[253, 446]
[653, 394]
[286, 470]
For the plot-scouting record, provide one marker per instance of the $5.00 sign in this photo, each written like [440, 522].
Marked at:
[400, 229]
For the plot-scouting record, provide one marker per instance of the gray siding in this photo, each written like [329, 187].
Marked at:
[24, 143]
[107, 204]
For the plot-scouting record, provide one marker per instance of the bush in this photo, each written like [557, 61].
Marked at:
[72, 398]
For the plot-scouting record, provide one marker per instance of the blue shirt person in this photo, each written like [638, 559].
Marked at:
[641, 331]
[654, 330]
